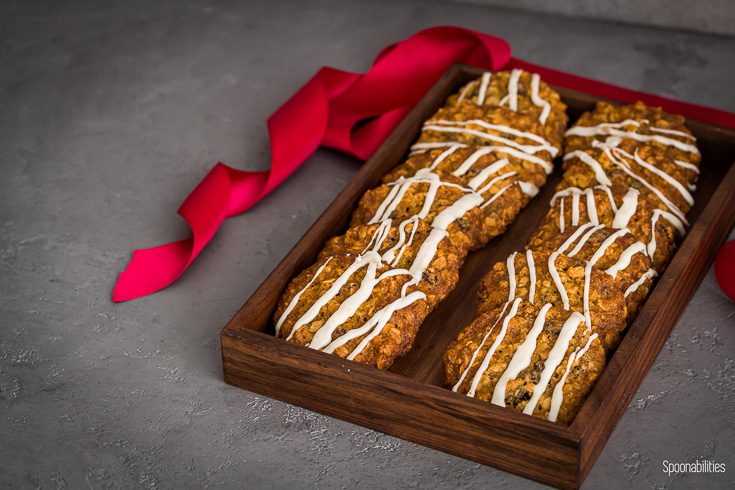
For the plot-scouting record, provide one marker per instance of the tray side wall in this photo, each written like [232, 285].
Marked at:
[392, 404]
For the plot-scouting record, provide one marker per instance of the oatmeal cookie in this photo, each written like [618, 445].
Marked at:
[539, 361]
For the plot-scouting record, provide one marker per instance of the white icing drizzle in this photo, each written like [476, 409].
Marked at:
[674, 209]
[606, 244]
[666, 177]
[599, 129]
[390, 254]
[423, 147]
[486, 172]
[444, 155]
[573, 237]
[561, 214]
[531, 275]
[439, 226]
[528, 188]
[483, 88]
[379, 236]
[591, 206]
[625, 257]
[673, 132]
[650, 273]
[557, 397]
[557, 280]
[654, 218]
[584, 240]
[612, 141]
[401, 186]
[555, 357]
[295, 299]
[575, 209]
[610, 197]
[479, 347]
[449, 127]
[376, 323]
[391, 200]
[627, 209]
[512, 98]
[611, 129]
[537, 100]
[349, 306]
[493, 127]
[510, 265]
[687, 165]
[406, 244]
[498, 340]
[495, 196]
[584, 157]
[564, 193]
[323, 337]
[521, 357]
[588, 271]
[576, 194]
[547, 165]
[494, 181]
[471, 160]
[362, 261]
[466, 90]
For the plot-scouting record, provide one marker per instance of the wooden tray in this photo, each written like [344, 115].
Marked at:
[408, 401]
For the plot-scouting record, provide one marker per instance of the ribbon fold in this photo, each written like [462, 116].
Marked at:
[352, 113]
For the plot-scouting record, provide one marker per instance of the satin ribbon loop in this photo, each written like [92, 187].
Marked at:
[331, 110]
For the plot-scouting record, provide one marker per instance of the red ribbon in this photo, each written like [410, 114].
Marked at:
[326, 112]
[725, 269]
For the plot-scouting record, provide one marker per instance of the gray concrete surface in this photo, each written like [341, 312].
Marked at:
[710, 16]
[111, 112]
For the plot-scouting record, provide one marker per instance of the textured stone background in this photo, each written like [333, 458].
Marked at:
[111, 112]
[711, 16]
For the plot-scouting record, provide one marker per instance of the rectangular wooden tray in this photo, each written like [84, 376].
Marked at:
[408, 401]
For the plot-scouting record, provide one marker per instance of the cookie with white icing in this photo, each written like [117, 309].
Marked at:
[629, 164]
[520, 91]
[474, 125]
[542, 361]
[541, 277]
[353, 306]
[614, 207]
[639, 123]
[616, 252]
[401, 244]
[443, 201]
[479, 166]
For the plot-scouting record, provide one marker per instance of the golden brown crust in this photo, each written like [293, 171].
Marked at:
[496, 94]
[632, 165]
[645, 117]
[498, 204]
[464, 233]
[639, 224]
[468, 165]
[399, 245]
[465, 356]
[503, 202]
[588, 244]
[605, 299]
[301, 327]
[473, 125]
